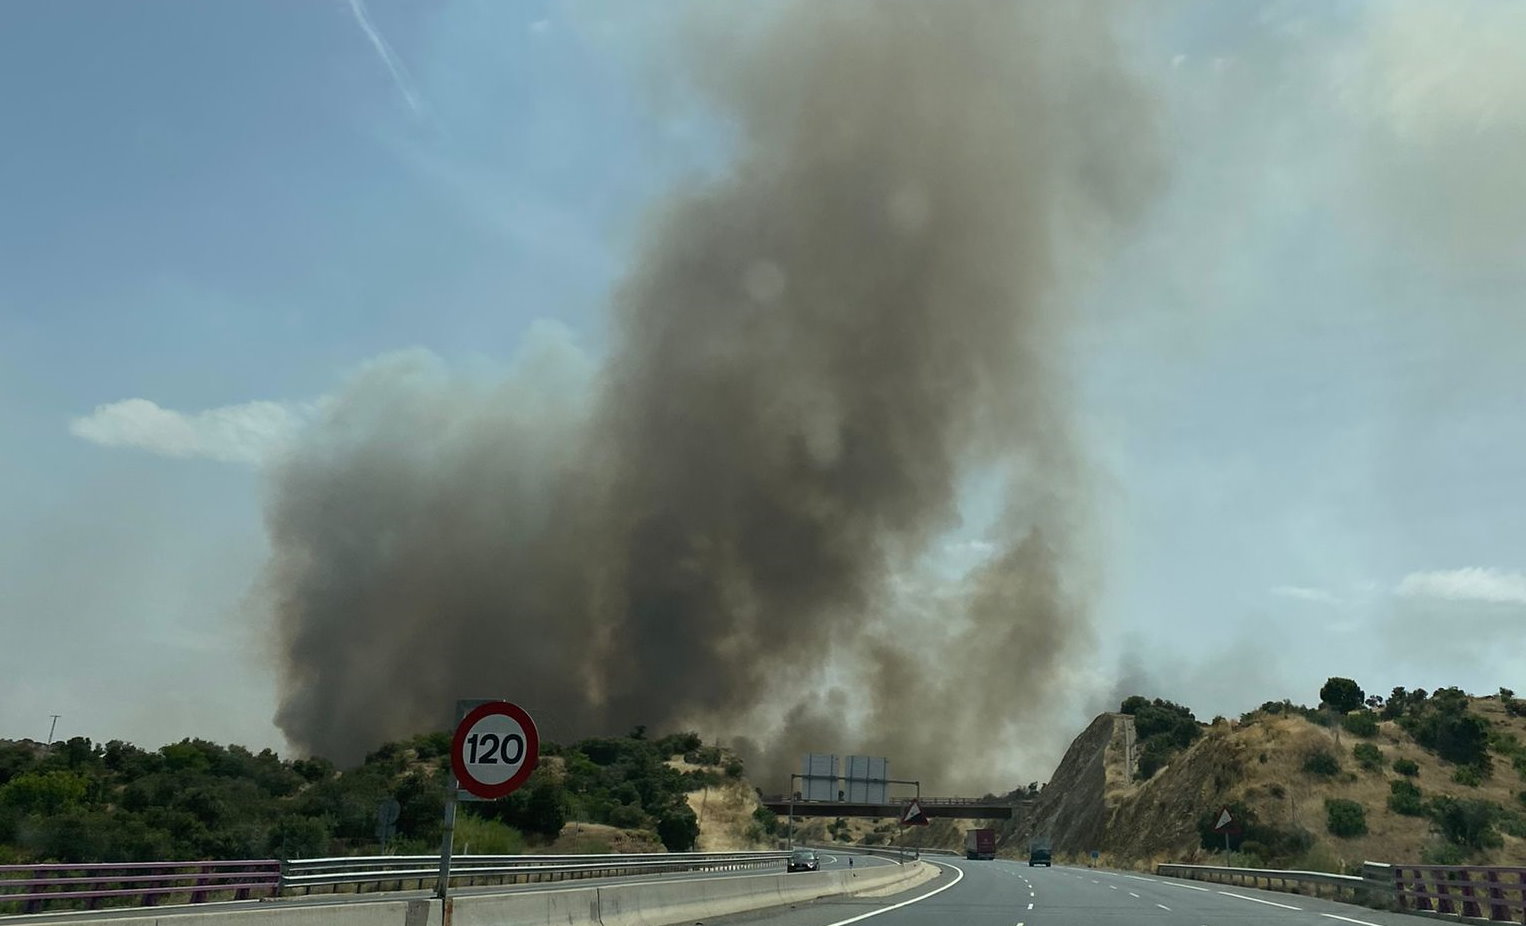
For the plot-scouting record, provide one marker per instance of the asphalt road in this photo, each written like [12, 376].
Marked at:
[1003, 893]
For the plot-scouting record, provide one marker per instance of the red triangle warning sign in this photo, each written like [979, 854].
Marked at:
[914, 815]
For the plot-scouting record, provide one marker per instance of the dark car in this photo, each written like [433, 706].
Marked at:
[1038, 856]
[804, 860]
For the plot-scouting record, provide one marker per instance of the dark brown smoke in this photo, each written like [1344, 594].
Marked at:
[811, 356]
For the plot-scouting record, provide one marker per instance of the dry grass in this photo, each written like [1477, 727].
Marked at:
[581, 838]
[1284, 742]
[725, 817]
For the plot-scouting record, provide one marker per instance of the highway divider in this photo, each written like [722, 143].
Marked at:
[637, 903]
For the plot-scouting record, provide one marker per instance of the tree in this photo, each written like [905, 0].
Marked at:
[678, 829]
[1342, 695]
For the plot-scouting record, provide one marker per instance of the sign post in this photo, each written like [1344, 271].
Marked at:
[1226, 824]
[493, 752]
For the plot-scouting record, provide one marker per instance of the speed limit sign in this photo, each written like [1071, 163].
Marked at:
[494, 750]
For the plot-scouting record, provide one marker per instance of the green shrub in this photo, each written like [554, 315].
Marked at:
[1404, 798]
[1321, 762]
[1345, 818]
[1445, 726]
[1466, 822]
[1368, 756]
[1444, 853]
[1361, 723]
[1468, 776]
[485, 837]
[1513, 824]
[1407, 767]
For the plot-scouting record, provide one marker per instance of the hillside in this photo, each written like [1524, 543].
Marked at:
[80, 801]
[1281, 767]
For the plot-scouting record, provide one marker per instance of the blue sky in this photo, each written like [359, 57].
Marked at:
[1298, 379]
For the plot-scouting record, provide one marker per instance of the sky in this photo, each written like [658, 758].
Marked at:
[1297, 376]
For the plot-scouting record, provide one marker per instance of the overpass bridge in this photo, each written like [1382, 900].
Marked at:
[969, 808]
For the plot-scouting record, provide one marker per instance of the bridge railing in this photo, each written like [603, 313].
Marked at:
[1488, 893]
[1495, 894]
[33, 888]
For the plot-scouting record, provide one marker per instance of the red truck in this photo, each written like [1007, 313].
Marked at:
[980, 844]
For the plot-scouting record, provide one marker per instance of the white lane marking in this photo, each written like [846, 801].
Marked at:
[1164, 907]
[1269, 903]
[958, 876]
[1030, 906]
[1137, 878]
[1190, 887]
[1095, 881]
[1133, 895]
[1348, 919]
[1112, 887]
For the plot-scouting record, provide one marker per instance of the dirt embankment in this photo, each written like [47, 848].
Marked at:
[1092, 802]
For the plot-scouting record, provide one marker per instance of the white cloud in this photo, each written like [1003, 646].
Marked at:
[1495, 586]
[1306, 594]
[247, 433]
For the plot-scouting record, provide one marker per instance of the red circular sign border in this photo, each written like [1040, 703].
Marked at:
[458, 750]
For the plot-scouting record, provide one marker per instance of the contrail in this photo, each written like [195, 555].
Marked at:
[389, 58]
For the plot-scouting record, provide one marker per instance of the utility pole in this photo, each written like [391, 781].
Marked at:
[51, 728]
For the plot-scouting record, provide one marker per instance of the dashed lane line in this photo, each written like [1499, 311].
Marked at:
[1269, 903]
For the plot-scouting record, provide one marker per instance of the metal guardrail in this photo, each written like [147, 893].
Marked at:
[901, 801]
[900, 854]
[1493, 894]
[35, 887]
[1273, 879]
[396, 872]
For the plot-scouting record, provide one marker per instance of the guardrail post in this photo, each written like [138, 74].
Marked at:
[198, 887]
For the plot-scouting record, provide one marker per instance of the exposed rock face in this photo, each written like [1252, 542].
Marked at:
[1075, 806]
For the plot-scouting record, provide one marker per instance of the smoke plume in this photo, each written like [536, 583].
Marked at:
[729, 524]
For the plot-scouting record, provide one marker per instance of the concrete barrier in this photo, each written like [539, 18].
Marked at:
[654, 903]
[379, 913]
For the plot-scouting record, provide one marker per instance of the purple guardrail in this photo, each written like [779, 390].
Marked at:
[1497, 894]
[39, 887]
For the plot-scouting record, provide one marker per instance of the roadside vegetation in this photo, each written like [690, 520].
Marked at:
[86, 802]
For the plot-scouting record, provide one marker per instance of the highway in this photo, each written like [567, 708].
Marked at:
[1003, 893]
